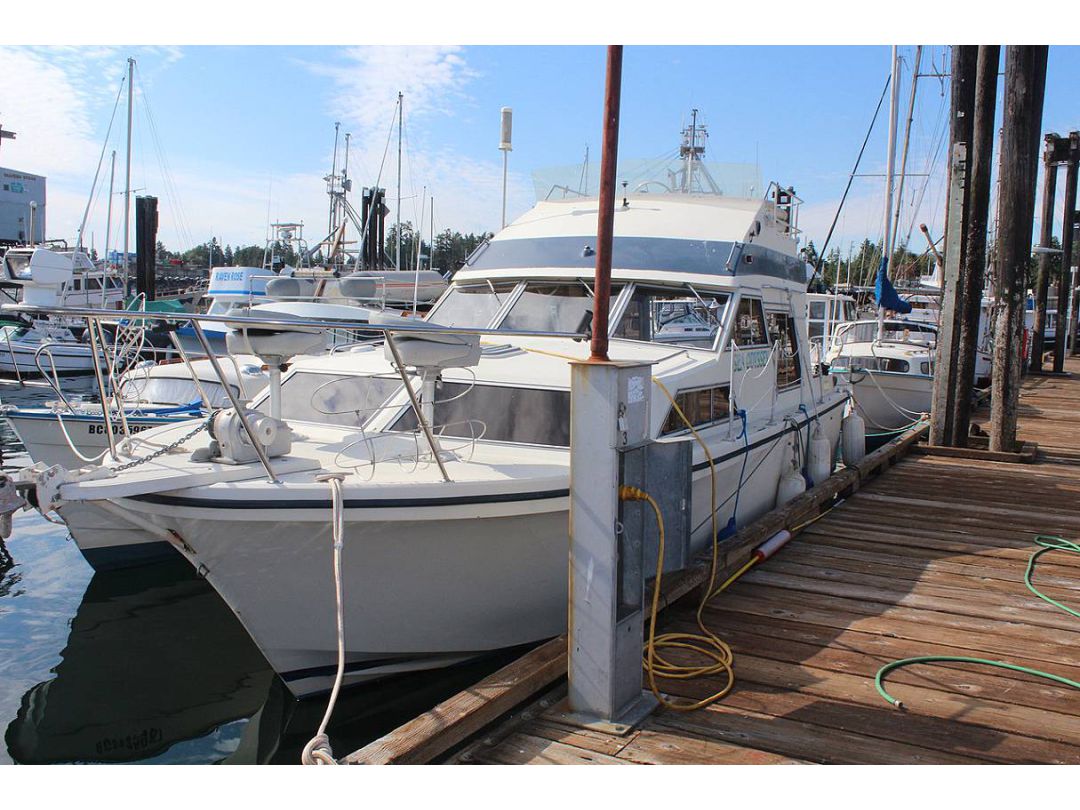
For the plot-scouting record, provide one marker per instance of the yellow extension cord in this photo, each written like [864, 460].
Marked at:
[705, 644]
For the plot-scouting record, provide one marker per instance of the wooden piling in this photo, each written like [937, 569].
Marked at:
[980, 167]
[1067, 321]
[1046, 230]
[1025, 81]
[962, 107]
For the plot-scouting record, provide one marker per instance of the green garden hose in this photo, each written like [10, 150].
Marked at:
[1048, 543]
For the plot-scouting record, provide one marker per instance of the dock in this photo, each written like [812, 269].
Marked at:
[925, 555]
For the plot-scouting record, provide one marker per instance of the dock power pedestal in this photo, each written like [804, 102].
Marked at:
[614, 543]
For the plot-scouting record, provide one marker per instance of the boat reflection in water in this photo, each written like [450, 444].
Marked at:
[158, 670]
[154, 659]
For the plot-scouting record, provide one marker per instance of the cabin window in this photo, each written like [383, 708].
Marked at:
[702, 407]
[497, 413]
[749, 324]
[551, 306]
[855, 363]
[471, 305]
[817, 310]
[926, 368]
[675, 316]
[349, 400]
[782, 329]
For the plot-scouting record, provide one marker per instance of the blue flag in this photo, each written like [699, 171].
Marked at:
[886, 294]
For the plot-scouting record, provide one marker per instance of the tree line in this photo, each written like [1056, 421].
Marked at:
[451, 249]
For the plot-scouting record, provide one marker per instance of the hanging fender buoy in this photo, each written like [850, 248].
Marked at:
[820, 456]
[853, 439]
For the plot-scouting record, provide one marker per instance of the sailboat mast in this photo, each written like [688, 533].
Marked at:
[904, 154]
[333, 183]
[108, 217]
[397, 230]
[894, 109]
[127, 177]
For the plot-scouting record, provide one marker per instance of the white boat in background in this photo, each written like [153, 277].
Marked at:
[71, 432]
[824, 313]
[890, 370]
[46, 277]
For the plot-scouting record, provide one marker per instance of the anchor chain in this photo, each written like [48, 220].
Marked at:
[166, 449]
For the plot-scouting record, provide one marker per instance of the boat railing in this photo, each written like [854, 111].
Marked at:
[171, 321]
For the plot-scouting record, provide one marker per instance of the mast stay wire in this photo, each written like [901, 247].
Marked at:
[851, 178]
[101, 159]
[171, 191]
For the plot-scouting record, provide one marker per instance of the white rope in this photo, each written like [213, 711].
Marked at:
[318, 751]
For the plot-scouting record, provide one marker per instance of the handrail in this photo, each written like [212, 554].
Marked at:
[240, 321]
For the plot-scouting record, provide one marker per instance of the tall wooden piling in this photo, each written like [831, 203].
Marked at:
[962, 106]
[980, 163]
[1066, 292]
[1025, 81]
[1046, 230]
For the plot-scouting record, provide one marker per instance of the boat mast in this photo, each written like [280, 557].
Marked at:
[108, 225]
[127, 177]
[333, 182]
[894, 109]
[903, 156]
[397, 230]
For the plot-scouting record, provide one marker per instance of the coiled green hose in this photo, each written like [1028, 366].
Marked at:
[1049, 543]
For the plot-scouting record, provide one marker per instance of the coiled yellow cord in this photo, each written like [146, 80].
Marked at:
[718, 655]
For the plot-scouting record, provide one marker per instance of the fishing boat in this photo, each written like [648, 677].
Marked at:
[449, 439]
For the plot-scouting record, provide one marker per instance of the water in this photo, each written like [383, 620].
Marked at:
[149, 664]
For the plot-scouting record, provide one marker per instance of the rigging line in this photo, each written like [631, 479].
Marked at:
[851, 177]
[378, 179]
[931, 162]
[101, 159]
[172, 192]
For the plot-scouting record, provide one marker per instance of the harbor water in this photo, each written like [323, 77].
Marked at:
[149, 665]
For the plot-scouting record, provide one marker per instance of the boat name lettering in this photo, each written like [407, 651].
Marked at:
[98, 428]
[751, 359]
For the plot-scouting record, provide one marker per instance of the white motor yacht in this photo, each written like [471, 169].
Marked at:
[454, 507]
[57, 278]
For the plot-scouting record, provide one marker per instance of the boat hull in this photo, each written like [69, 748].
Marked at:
[428, 585]
[889, 401]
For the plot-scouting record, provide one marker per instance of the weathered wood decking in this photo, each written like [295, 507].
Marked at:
[926, 559]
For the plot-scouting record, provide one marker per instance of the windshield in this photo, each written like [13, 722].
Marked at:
[551, 306]
[892, 331]
[471, 305]
[667, 315]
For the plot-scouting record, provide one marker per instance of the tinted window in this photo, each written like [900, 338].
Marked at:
[702, 407]
[749, 324]
[872, 364]
[521, 415]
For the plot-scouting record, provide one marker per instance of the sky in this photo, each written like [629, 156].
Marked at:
[232, 137]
